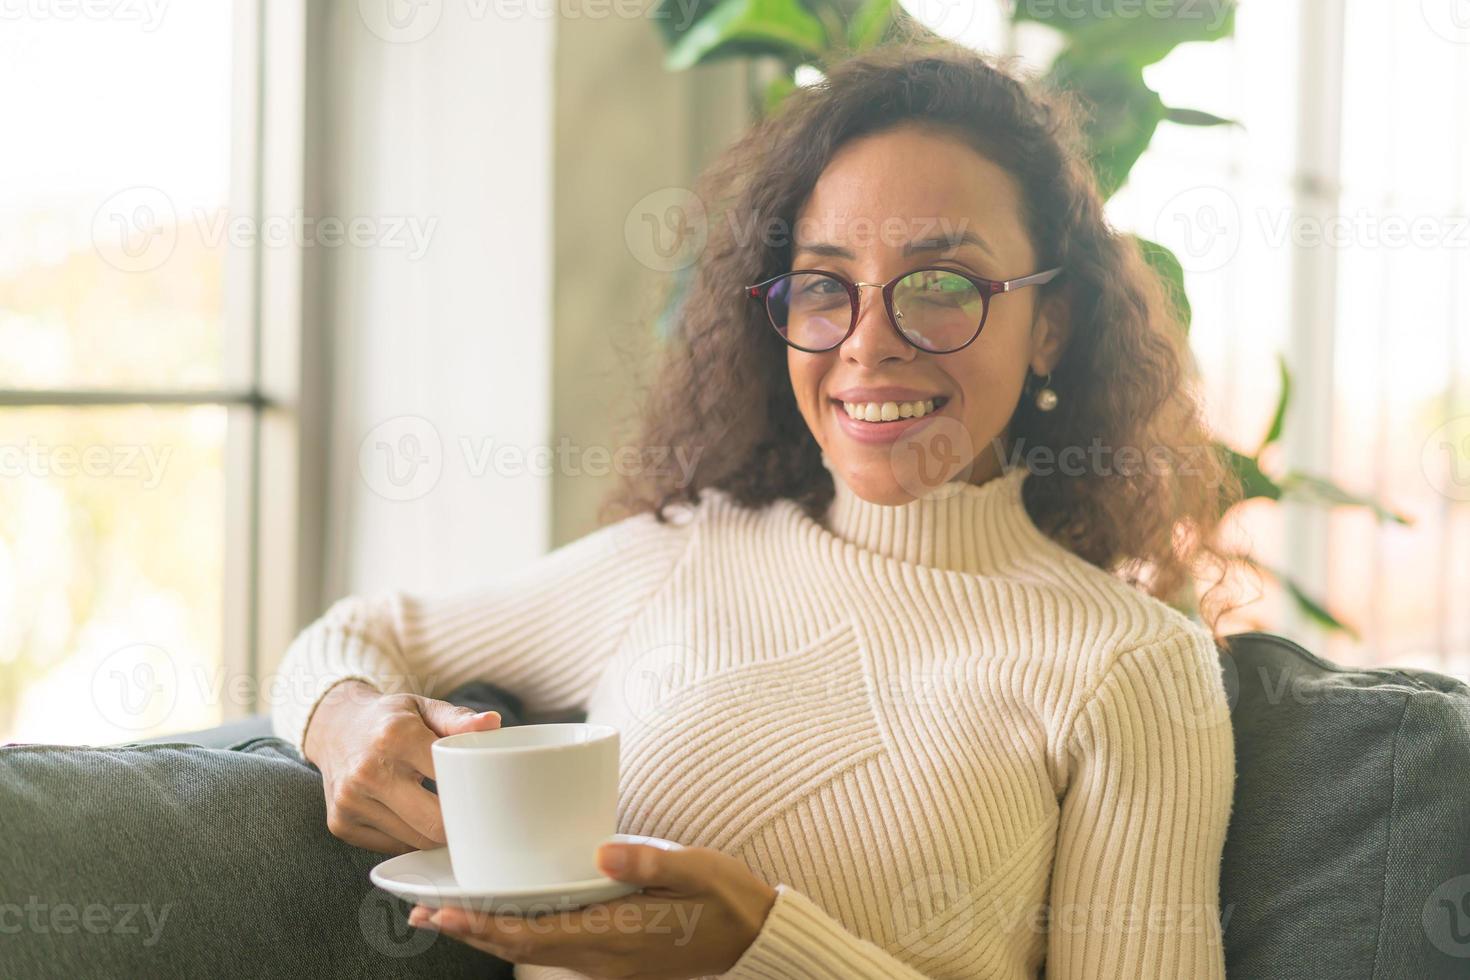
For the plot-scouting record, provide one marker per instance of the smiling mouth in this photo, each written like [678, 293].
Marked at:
[891, 411]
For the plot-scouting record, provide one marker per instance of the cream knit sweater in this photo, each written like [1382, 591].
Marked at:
[955, 748]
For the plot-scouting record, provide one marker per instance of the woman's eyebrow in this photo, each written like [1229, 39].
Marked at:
[953, 241]
[917, 245]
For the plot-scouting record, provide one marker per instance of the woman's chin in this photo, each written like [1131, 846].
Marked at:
[872, 475]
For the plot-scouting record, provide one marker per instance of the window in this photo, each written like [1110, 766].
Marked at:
[130, 394]
[1334, 230]
[1400, 353]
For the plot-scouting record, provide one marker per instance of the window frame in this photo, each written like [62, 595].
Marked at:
[273, 383]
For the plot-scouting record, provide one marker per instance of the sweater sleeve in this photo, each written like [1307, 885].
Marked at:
[1136, 880]
[799, 941]
[544, 632]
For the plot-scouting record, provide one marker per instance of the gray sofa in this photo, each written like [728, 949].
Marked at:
[1348, 854]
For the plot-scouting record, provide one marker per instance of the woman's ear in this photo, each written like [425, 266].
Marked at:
[1050, 331]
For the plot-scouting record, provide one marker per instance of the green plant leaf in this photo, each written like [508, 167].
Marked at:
[1318, 490]
[1195, 117]
[1254, 483]
[1123, 113]
[675, 17]
[776, 92]
[744, 27]
[1167, 266]
[1283, 401]
[868, 23]
[1313, 609]
[1125, 31]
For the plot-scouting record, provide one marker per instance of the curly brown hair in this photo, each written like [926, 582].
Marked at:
[1126, 372]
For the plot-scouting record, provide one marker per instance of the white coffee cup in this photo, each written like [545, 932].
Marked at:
[527, 806]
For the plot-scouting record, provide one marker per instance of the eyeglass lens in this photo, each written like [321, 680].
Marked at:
[936, 310]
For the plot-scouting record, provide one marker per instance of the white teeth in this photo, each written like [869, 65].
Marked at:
[887, 411]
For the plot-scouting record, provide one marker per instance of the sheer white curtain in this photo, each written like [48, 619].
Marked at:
[441, 347]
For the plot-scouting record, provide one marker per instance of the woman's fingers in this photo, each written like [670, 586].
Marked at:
[373, 756]
[417, 750]
[374, 840]
[386, 822]
[444, 718]
[440, 718]
[416, 807]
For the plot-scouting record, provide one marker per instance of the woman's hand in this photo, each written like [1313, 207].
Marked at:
[373, 750]
[697, 913]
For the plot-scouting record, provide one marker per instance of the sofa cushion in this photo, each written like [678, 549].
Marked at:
[177, 860]
[1348, 854]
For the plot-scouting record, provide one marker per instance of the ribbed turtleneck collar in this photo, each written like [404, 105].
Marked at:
[962, 527]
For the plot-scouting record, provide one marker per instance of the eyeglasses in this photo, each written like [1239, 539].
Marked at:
[937, 310]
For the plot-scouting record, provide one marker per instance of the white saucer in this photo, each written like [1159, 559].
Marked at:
[426, 878]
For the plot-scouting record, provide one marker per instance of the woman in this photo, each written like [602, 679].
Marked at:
[916, 709]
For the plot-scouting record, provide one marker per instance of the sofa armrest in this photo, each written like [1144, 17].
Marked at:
[476, 694]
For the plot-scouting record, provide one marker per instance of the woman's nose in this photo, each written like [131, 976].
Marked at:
[873, 339]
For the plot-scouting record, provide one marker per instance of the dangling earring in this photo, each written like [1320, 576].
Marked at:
[1046, 398]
